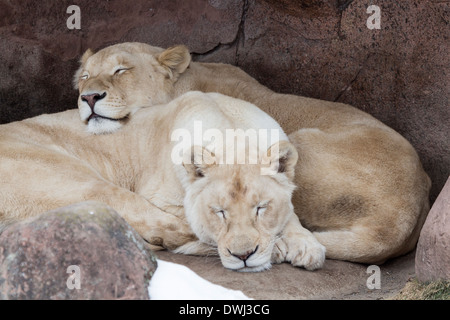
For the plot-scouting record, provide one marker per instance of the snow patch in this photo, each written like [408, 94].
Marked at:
[173, 281]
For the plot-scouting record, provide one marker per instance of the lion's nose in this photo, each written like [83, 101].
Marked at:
[243, 256]
[92, 99]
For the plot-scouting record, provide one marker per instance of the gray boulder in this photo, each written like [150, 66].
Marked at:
[83, 251]
[433, 248]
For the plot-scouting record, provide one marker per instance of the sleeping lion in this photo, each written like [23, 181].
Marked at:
[361, 187]
[180, 187]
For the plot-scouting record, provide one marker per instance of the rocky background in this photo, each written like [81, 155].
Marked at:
[316, 48]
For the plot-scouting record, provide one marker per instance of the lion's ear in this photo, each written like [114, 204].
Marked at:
[281, 158]
[176, 58]
[83, 60]
[198, 161]
[86, 56]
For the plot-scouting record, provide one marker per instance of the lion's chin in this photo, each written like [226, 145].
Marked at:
[259, 268]
[241, 267]
[100, 125]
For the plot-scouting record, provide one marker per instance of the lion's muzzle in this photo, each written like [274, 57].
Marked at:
[91, 99]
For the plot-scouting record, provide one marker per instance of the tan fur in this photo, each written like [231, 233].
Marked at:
[361, 186]
[51, 161]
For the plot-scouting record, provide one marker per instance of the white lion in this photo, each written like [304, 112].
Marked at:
[194, 206]
[361, 186]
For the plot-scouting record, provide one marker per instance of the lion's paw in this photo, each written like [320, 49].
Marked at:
[279, 252]
[304, 252]
[307, 253]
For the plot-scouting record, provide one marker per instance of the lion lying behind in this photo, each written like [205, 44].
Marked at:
[361, 186]
[172, 189]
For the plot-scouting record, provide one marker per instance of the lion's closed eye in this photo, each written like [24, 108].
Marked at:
[261, 208]
[121, 69]
[219, 211]
[260, 211]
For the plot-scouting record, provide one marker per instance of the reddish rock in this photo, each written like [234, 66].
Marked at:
[433, 248]
[87, 244]
[316, 48]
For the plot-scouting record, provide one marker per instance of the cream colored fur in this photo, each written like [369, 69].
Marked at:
[51, 161]
[361, 187]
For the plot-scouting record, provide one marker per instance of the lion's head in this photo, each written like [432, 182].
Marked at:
[239, 210]
[118, 80]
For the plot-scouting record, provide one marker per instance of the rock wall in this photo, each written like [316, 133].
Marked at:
[316, 48]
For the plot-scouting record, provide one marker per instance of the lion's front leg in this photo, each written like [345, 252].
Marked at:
[197, 248]
[162, 230]
[298, 246]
